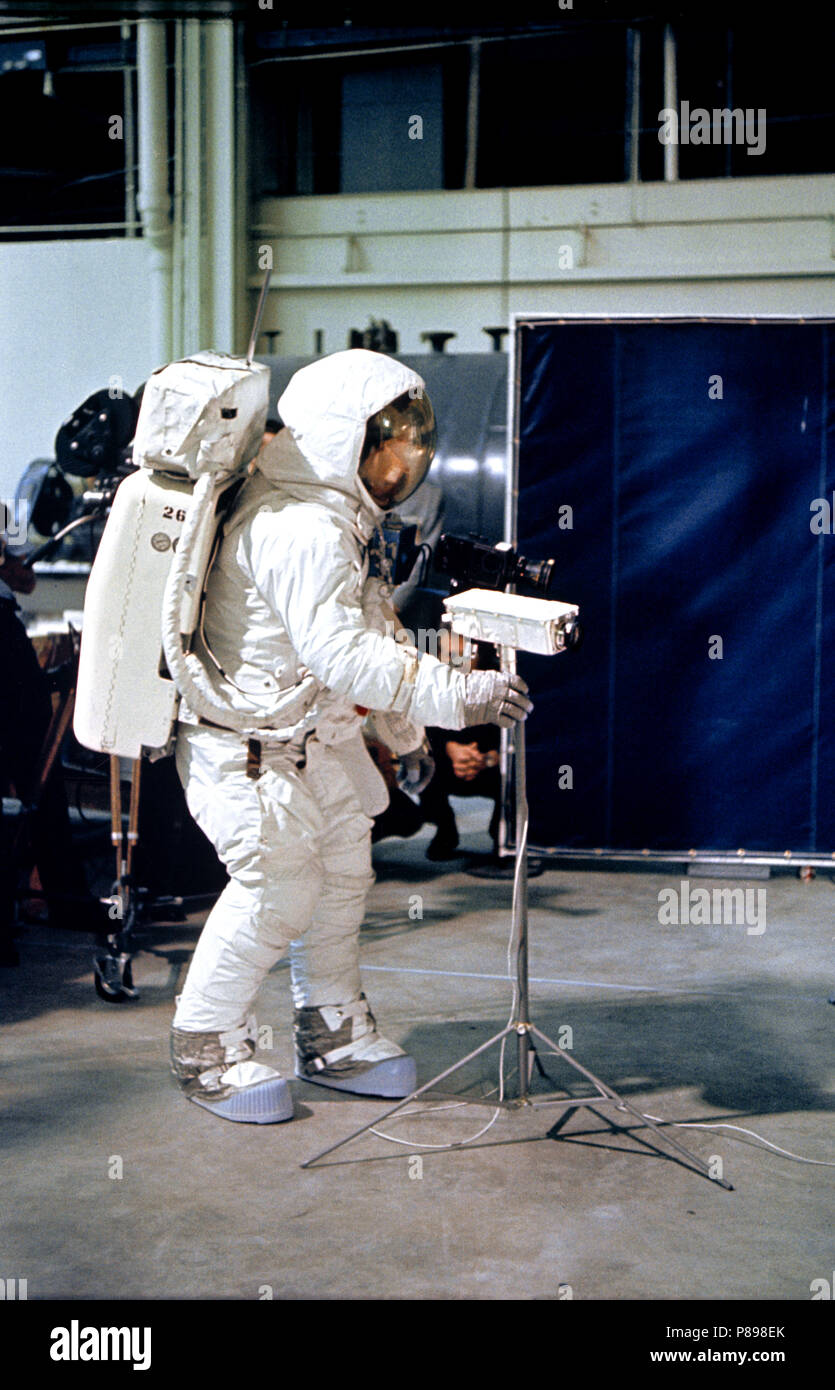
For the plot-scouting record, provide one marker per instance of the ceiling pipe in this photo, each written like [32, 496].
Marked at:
[152, 200]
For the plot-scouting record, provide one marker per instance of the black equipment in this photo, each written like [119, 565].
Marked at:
[93, 439]
[474, 564]
[44, 494]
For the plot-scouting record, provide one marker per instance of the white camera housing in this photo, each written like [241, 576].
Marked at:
[511, 620]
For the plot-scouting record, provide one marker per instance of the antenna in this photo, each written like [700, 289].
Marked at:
[259, 314]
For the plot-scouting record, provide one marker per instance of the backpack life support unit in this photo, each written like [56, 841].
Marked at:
[200, 424]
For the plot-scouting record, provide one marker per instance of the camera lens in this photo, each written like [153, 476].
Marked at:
[539, 574]
[572, 634]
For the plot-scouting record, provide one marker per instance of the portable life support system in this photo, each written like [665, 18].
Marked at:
[201, 422]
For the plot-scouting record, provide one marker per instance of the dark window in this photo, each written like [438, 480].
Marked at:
[343, 126]
[704, 81]
[552, 110]
[296, 128]
[778, 75]
[392, 127]
[62, 154]
[786, 69]
[456, 76]
[651, 93]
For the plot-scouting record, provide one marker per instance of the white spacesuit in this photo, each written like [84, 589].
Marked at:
[292, 620]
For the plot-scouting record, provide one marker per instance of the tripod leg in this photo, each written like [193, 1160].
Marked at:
[129, 898]
[112, 975]
[609, 1094]
[133, 814]
[116, 817]
[519, 908]
[308, 1163]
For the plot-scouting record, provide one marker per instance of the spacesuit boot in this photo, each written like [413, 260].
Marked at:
[215, 1071]
[339, 1046]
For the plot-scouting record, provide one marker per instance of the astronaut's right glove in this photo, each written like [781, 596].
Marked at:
[495, 697]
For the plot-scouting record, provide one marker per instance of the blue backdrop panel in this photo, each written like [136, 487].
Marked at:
[698, 712]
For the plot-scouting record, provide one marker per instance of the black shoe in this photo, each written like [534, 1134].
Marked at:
[444, 845]
[9, 954]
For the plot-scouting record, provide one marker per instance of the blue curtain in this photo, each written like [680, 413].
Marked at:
[698, 712]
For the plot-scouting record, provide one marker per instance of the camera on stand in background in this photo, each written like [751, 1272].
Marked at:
[65, 521]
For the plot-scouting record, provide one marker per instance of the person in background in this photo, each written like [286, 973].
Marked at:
[25, 715]
[466, 764]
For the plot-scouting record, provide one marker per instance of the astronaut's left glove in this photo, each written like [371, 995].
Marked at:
[415, 770]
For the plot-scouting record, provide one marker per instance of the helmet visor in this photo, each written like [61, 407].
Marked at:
[399, 447]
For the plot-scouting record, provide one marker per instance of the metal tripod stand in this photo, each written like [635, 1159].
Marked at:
[112, 970]
[520, 1026]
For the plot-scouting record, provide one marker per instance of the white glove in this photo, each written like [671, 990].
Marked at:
[495, 697]
[415, 770]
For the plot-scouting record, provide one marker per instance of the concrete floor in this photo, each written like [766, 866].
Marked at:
[689, 1022]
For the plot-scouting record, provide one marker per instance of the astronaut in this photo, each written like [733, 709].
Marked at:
[290, 608]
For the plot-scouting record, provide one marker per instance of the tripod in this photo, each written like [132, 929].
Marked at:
[520, 1026]
[112, 969]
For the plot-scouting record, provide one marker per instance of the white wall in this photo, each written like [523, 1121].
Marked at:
[461, 260]
[72, 313]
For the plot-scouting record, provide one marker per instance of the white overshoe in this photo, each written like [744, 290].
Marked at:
[337, 1045]
[215, 1070]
